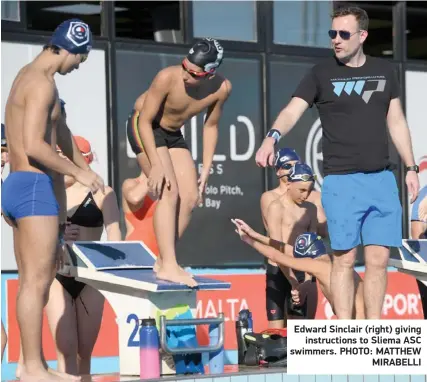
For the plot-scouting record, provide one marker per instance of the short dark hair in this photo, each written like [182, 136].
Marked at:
[55, 49]
[359, 13]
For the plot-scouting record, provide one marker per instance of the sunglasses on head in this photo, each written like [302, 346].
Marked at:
[193, 73]
[345, 35]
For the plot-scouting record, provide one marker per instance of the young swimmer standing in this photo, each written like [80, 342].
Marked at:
[74, 310]
[278, 288]
[308, 255]
[176, 94]
[289, 216]
[31, 115]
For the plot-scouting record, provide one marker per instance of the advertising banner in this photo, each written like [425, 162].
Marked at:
[235, 184]
[84, 92]
[402, 301]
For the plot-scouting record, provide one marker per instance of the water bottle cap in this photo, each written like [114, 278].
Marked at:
[148, 322]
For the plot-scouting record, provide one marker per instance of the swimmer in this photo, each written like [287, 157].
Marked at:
[74, 310]
[288, 216]
[278, 289]
[28, 199]
[307, 255]
[176, 94]
[138, 208]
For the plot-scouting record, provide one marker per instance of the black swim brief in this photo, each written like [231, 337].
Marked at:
[278, 294]
[162, 137]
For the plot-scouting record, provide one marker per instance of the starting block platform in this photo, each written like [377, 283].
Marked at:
[412, 259]
[123, 273]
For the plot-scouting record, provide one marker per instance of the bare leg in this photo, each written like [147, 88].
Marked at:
[3, 340]
[61, 314]
[375, 280]
[276, 324]
[90, 306]
[186, 177]
[165, 225]
[37, 246]
[342, 283]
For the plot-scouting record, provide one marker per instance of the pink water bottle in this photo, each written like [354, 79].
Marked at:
[149, 355]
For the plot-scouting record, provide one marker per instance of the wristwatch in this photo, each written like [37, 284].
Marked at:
[413, 168]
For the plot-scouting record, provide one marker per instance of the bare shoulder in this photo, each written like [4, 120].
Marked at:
[165, 77]
[128, 183]
[309, 206]
[315, 197]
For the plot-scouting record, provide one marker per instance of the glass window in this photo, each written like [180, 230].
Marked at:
[380, 38]
[46, 16]
[225, 20]
[303, 23]
[149, 20]
[235, 181]
[10, 11]
[416, 30]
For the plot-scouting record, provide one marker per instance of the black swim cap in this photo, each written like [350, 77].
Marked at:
[206, 54]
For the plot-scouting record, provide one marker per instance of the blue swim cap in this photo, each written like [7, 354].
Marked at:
[283, 156]
[74, 36]
[3, 136]
[309, 245]
[301, 172]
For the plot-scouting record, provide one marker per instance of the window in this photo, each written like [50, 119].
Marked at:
[46, 16]
[225, 20]
[149, 20]
[10, 11]
[416, 31]
[380, 39]
[303, 23]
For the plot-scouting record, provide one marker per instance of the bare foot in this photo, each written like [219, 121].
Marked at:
[176, 276]
[68, 377]
[38, 376]
[158, 265]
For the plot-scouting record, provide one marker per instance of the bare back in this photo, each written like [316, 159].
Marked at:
[266, 199]
[182, 103]
[26, 83]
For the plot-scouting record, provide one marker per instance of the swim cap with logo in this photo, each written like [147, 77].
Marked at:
[206, 54]
[301, 172]
[285, 155]
[309, 244]
[74, 36]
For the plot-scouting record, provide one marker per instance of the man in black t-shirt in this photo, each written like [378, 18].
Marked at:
[357, 97]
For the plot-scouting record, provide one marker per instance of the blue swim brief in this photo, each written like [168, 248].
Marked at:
[26, 193]
[362, 208]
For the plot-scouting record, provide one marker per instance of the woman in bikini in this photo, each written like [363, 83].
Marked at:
[75, 309]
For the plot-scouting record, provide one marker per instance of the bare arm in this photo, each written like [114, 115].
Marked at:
[37, 109]
[418, 230]
[286, 259]
[68, 146]
[156, 94]
[399, 132]
[111, 214]
[313, 218]
[210, 131]
[290, 115]
[134, 192]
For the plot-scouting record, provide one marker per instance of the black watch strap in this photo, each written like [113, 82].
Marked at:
[413, 168]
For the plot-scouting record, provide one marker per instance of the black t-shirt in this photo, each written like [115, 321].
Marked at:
[353, 104]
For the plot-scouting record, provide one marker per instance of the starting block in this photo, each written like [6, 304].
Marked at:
[413, 259]
[123, 273]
